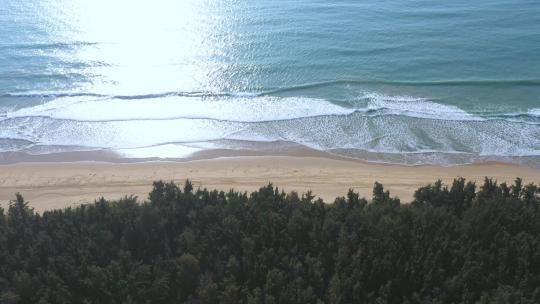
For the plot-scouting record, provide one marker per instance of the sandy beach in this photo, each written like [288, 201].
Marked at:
[57, 185]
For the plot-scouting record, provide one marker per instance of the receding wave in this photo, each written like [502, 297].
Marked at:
[14, 144]
[351, 134]
[371, 123]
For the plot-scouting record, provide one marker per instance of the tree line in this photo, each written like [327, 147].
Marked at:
[456, 243]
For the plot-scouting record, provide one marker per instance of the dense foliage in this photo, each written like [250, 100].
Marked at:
[455, 244]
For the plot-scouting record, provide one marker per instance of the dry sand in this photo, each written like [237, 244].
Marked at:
[56, 185]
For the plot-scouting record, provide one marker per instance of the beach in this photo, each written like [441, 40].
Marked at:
[320, 96]
[273, 111]
[53, 185]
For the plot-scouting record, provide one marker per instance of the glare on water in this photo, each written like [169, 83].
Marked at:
[141, 46]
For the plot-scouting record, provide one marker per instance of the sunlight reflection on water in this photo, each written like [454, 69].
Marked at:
[142, 46]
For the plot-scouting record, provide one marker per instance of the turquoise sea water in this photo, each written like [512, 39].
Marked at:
[396, 81]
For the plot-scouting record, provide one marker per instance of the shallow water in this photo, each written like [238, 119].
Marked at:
[398, 81]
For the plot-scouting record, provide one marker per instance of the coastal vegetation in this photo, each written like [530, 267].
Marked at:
[458, 243]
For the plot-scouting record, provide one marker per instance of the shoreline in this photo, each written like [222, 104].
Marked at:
[278, 148]
[50, 185]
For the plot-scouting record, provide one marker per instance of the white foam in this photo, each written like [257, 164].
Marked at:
[238, 108]
[380, 133]
[115, 134]
[151, 127]
[416, 107]
[264, 108]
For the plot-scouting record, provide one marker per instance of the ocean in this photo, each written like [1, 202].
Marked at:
[412, 82]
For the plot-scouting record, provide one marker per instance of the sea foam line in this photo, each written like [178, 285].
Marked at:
[237, 109]
[247, 108]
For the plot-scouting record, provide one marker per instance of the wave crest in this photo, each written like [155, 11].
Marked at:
[416, 107]
[244, 107]
[240, 109]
